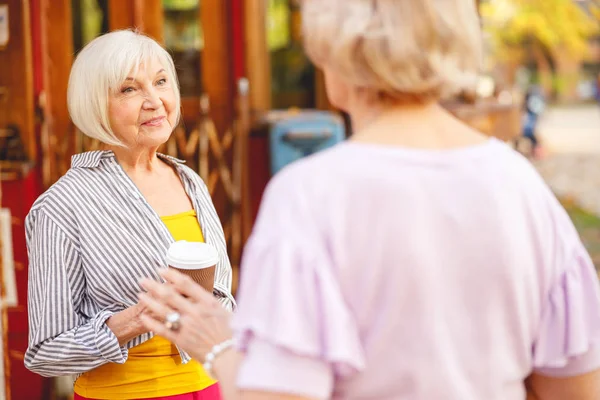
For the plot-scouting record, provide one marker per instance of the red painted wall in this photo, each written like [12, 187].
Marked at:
[18, 196]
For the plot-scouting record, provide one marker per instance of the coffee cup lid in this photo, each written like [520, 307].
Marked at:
[191, 255]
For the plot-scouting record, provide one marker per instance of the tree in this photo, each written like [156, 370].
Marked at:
[558, 25]
[541, 31]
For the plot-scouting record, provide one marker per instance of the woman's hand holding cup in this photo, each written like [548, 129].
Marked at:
[201, 320]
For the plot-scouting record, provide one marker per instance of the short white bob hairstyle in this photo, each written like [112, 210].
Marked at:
[101, 68]
[401, 50]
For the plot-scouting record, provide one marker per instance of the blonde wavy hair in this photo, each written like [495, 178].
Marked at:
[402, 50]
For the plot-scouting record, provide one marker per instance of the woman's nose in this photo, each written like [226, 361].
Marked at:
[152, 100]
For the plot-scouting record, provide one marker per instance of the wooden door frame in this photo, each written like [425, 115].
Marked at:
[147, 16]
[217, 56]
[258, 60]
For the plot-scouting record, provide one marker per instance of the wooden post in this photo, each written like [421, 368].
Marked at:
[217, 62]
[16, 76]
[57, 54]
[258, 62]
[144, 15]
[120, 14]
[148, 18]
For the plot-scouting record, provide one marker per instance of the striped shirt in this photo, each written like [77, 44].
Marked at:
[90, 238]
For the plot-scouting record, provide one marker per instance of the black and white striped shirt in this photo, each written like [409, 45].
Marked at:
[90, 238]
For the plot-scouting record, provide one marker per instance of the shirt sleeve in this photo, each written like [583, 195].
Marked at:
[62, 340]
[568, 342]
[291, 305]
[277, 370]
[226, 300]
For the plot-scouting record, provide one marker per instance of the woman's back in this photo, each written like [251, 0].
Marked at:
[418, 274]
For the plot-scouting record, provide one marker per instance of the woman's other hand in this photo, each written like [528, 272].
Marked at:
[127, 324]
[203, 322]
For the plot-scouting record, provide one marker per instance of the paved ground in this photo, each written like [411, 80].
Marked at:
[571, 137]
[572, 130]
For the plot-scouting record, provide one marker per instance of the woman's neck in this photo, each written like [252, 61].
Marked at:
[427, 126]
[137, 161]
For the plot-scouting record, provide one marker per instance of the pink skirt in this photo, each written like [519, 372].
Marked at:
[210, 393]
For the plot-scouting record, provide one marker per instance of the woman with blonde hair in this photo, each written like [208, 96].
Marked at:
[108, 223]
[420, 260]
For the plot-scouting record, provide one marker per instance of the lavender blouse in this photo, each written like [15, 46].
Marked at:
[391, 273]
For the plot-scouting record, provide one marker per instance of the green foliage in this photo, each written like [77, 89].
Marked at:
[278, 24]
[557, 25]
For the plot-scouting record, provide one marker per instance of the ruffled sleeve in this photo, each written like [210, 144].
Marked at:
[290, 298]
[568, 341]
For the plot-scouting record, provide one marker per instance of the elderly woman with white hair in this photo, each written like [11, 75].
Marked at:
[108, 223]
[421, 260]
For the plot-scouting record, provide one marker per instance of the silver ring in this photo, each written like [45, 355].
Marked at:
[173, 321]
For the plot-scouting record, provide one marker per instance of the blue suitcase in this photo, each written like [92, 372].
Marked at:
[294, 135]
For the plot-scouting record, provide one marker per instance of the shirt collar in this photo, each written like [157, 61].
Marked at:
[92, 159]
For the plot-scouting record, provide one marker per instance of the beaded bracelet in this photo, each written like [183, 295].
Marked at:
[212, 355]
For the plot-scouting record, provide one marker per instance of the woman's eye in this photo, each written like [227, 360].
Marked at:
[161, 81]
[128, 89]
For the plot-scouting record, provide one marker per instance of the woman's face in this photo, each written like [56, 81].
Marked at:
[142, 111]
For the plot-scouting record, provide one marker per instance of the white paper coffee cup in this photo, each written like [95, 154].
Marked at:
[195, 259]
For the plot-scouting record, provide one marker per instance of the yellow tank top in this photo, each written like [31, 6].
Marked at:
[153, 369]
